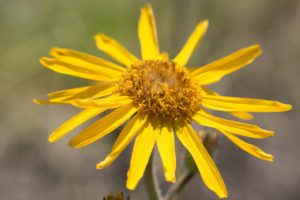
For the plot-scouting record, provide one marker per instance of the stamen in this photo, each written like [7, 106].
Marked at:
[161, 88]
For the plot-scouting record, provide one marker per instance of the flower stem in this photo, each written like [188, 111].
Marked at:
[151, 182]
[176, 188]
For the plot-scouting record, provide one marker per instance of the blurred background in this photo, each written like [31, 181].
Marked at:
[31, 168]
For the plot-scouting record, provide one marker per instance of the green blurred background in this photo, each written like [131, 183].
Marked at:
[31, 168]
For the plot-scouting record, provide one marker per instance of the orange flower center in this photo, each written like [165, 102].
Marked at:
[161, 88]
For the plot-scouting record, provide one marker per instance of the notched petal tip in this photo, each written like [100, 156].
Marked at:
[47, 61]
[56, 51]
[170, 178]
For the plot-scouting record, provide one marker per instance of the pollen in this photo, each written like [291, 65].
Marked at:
[161, 88]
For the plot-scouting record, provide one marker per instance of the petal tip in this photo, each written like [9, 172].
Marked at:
[51, 139]
[287, 107]
[74, 144]
[130, 185]
[46, 61]
[99, 166]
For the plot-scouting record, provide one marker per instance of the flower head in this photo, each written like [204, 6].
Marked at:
[159, 98]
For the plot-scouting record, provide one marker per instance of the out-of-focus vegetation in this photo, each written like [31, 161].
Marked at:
[31, 168]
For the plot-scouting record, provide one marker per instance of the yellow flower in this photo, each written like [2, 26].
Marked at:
[159, 98]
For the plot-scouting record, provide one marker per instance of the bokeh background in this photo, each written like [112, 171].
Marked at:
[31, 168]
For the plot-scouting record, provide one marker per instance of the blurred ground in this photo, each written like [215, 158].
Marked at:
[31, 168]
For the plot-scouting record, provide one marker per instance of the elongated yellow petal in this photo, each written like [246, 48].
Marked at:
[208, 171]
[192, 42]
[86, 58]
[103, 126]
[113, 101]
[238, 128]
[115, 50]
[239, 115]
[251, 149]
[242, 115]
[125, 137]
[87, 92]
[72, 123]
[47, 102]
[93, 91]
[147, 34]
[231, 104]
[141, 153]
[215, 71]
[78, 70]
[166, 148]
[164, 56]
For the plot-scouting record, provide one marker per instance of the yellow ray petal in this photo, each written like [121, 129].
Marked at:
[208, 171]
[251, 149]
[215, 71]
[166, 148]
[141, 153]
[125, 137]
[238, 128]
[113, 101]
[103, 126]
[78, 70]
[47, 102]
[115, 50]
[93, 91]
[164, 56]
[147, 34]
[192, 42]
[68, 95]
[239, 115]
[86, 58]
[242, 115]
[72, 123]
[231, 104]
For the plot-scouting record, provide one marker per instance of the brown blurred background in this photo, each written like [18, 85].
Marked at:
[31, 168]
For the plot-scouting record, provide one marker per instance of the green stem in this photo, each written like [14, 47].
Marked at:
[151, 182]
[176, 188]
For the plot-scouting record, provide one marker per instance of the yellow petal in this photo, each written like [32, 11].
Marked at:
[238, 128]
[147, 34]
[164, 56]
[72, 123]
[208, 170]
[215, 71]
[141, 153]
[47, 102]
[166, 148]
[86, 58]
[125, 137]
[66, 66]
[113, 101]
[103, 126]
[231, 104]
[93, 91]
[242, 115]
[68, 95]
[251, 149]
[239, 115]
[115, 50]
[192, 42]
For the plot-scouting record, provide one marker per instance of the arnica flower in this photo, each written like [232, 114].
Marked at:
[160, 98]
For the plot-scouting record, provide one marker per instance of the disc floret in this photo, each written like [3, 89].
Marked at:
[161, 88]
